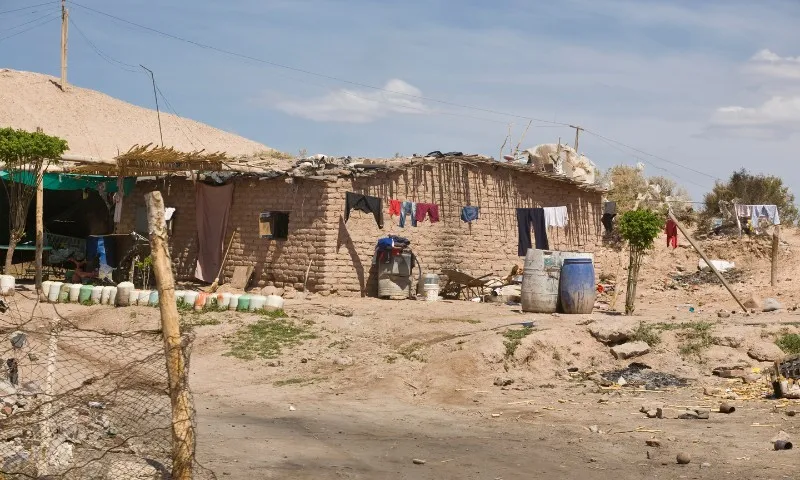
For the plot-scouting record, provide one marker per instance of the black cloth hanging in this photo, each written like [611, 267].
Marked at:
[608, 221]
[364, 203]
[527, 218]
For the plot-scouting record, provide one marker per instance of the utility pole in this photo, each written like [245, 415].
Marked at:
[153, 78]
[64, 28]
[578, 129]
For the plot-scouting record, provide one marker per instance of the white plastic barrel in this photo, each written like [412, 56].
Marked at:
[273, 302]
[124, 293]
[153, 300]
[52, 295]
[430, 285]
[74, 292]
[144, 297]
[97, 294]
[234, 301]
[105, 295]
[134, 297]
[112, 296]
[46, 288]
[223, 300]
[540, 281]
[257, 302]
[190, 297]
[7, 283]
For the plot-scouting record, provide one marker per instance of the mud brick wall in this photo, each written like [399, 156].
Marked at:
[275, 262]
[488, 245]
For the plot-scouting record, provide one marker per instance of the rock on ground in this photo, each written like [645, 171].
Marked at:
[132, 471]
[765, 352]
[614, 331]
[753, 301]
[771, 305]
[630, 349]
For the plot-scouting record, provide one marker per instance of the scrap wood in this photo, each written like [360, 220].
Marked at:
[410, 385]
[528, 402]
[639, 430]
[762, 425]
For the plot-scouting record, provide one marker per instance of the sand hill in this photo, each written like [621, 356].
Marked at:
[95, 124]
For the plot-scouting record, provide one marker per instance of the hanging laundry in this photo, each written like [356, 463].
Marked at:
[672, 233]
[527, 218]
[364, 203]
[394, 207]
[770, 212]
[555, 216]
[429, 209]
[408, 208]
[608, 221]
[469, 213]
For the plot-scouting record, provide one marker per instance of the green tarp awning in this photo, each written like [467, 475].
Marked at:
[70, 181]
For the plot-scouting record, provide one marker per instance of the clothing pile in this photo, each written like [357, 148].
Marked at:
[389, 247]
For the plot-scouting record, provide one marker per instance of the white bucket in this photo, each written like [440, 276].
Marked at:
[112, 296]
[134, 297]
[52, 295]
[74, 292]
[223, 300]
[46, 288]
[234, 301]
[257, 302]
[273, 302]
[7, 283]
[144, 297]
[105, 295]
[431, 292]
[124, 294]
[97, 294]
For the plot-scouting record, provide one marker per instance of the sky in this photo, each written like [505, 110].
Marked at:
[693, 90]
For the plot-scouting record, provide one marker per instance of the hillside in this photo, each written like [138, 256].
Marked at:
[95, 124]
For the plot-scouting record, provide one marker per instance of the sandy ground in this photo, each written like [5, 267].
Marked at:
[398, 381]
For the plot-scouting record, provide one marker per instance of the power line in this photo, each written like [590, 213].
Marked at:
[31, 27]
[31, 6]
[175, 112]
[108, 58]
[28, 22]
[393, 92]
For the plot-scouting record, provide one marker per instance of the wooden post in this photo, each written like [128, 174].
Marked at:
[47, 425]
[64, 35]
[708, 262]
[183, 438]
[39, 231]
[776, 238]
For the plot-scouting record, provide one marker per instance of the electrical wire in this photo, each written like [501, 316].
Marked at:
[31, 27]
[175, 112]
[108, 58]
[28, 22]
[26, 8]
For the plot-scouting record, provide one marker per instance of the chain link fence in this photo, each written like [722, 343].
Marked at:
[80, 403]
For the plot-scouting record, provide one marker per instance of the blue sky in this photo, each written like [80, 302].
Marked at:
[712, 85]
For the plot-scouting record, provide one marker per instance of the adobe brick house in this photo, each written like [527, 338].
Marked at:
[340, 255]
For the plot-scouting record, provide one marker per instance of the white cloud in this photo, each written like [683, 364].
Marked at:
[358, 106]
[769, 64]
[776, 110]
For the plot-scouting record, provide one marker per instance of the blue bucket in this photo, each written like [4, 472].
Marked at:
[577, 290]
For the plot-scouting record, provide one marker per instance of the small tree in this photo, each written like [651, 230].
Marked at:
[640, 229]
[25, 156]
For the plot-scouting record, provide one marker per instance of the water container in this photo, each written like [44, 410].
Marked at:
[46, 288]
[539, 293]
[79, 293]
[223, 300]
[124, 294]
[112, 297]
[394, 278]
[7, 284]
[577, 287]
[190, 297]
[244, 303]
[200, 301]
[63, 293]
[211, 301]
[97, 294]
[257, 302]
[273, 302]
[153, 300]
[430, 286]
[105, 295]
[52, 294]
[234, 302]
[144, 297]
[134, 297]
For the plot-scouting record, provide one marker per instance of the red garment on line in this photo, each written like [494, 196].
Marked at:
[394, 207]
[430, 209]
[672, 233]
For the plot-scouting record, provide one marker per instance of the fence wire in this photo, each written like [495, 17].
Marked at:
[82, 404]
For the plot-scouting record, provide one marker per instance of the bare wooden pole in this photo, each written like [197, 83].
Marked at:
[708, 262]
[183, 438]
[39, 231]
[776, 238]
[64, 37]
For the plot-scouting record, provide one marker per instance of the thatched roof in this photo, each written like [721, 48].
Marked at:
[148, 160]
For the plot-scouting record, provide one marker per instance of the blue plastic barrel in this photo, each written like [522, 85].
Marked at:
[577, 290]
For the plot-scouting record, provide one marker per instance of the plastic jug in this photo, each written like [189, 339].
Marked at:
[63, 293]
[7, 283]
[79, 293]
[153, 301]
[273, 302]
[190, 298]
[134, 297]
[244, 303]
[200, 302]
[52, 294]
[234, 303]
[179, 296]
[144, 297]
[257, 302]
[124, 290]
[105, 295]
[223, 300]
[97, 294]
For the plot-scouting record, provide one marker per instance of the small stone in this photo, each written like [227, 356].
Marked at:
[418, 461]
[614, 331]
[688, 416]
[303, 360]
[291, 408]
[341, 311]
[724, 314]
[594, 429]
[343, 361]
[7, 411]
[702, 414]
[652, 413]
[269, 290]
[622, 382]
[765, 352]
[771, 305]
[683, 458]
[18, 339]
[503, 381]
[791, 413]
[630, 349]
[653, 443]
[705, 465]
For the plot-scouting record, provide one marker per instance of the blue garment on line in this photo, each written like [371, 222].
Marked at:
[408, 208]
[469, 213]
